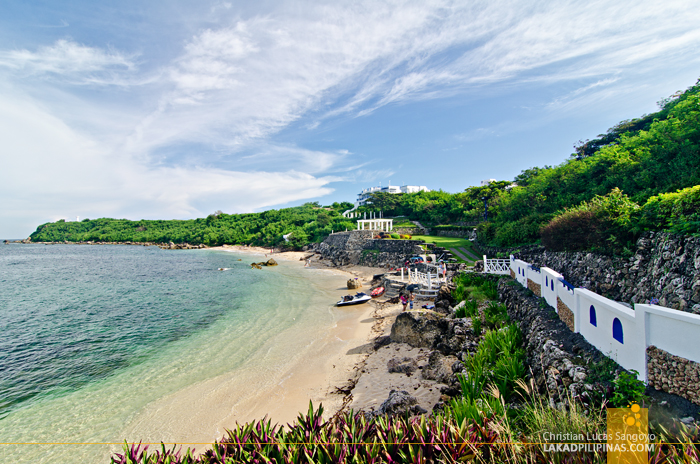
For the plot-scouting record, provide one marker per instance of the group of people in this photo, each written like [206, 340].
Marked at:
[407, 299]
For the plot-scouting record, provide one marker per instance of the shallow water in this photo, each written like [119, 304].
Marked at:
[93, 336]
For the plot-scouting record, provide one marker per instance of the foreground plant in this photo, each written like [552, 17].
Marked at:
[348, 438]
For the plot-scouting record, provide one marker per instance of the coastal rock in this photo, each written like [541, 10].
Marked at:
[400, 403]
[271, 262]
[402, 366]
[430, 331]
[440, 368]
[354, 283]
[445, 294]
[419, 331]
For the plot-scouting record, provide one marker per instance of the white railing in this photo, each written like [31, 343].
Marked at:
[496, 266]
[426, 279]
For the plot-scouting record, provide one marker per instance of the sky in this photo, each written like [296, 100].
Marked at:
[173, 110]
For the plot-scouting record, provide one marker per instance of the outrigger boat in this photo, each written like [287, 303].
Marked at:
[357, 298]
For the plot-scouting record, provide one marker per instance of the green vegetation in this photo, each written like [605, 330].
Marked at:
[628, 390]
[306, 224]
[642, 174]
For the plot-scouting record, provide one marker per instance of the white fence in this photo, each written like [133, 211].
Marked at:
[616, 330]
[426, 279]
[496, 266]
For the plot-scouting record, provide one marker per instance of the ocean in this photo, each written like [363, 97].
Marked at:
[105, 343]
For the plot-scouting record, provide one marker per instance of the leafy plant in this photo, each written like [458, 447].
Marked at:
[602, 371]
[627, 389]
[476, 325]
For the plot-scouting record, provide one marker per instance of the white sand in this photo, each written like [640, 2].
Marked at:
[200, 413]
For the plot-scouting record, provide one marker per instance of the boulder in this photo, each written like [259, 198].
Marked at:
[271, 262]
[441, 368]
[400, 403]
[404, 366]
[445, 294]
[419, 331]
[354, 283]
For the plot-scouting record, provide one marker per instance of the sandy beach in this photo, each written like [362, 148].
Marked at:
[323, 374]
[363, 368]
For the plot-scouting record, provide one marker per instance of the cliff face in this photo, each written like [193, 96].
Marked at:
[664, 266]
[358, 247]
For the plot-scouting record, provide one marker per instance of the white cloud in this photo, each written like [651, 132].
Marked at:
[50, 171]
[66, 58]
[238, 81]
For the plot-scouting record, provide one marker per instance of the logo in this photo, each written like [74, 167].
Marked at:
[628, 435]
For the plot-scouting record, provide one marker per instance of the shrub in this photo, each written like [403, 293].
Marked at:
[395, 236]
[606, 224]
[678, 211]
[627, 390]
[495, 315]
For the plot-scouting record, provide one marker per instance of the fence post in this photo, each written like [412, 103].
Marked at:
[485, 263]
[401, 274]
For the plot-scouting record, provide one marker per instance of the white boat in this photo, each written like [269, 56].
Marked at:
[357, 298]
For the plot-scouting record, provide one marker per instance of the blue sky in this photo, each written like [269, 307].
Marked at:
[174, 109]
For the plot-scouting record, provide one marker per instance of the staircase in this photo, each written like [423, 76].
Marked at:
[423, 229]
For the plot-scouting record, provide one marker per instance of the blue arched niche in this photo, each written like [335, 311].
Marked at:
[617, 330]
[591, 313]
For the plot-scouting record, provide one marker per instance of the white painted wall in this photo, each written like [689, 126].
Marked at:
[676, 332]
[520, 269]
[601, 336]
[550, 278]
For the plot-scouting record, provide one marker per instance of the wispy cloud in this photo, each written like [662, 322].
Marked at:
[66, 59]
[235, 83]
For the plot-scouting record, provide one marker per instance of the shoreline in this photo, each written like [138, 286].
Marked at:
[323, 372]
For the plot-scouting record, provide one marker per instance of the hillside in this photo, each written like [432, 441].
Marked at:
[640, 175]
[307, 223]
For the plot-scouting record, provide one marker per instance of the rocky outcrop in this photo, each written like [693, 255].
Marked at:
[352, 284]
[359, 247]
[400, 403]
[442, 368]
[664, 266]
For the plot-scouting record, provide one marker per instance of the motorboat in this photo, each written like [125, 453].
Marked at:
[357, 298]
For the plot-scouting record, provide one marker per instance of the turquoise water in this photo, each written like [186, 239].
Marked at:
[92, 335]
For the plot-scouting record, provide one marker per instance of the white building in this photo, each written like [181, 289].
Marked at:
[486, 182]
[363, 196]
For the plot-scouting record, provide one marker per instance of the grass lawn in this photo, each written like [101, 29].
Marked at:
[451, 243]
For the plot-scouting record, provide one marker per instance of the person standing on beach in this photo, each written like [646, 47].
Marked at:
[404, 301]
[411, 298]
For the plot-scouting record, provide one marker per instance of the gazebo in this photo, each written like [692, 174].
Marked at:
[375, 224]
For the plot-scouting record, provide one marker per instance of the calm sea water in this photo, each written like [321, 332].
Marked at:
[92, 334]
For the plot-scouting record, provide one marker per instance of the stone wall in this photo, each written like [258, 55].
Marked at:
[534, 288]
[358, 247]
[664, 266]
[493, 251]
[559, 359]
[566, 315]
[673, 374]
